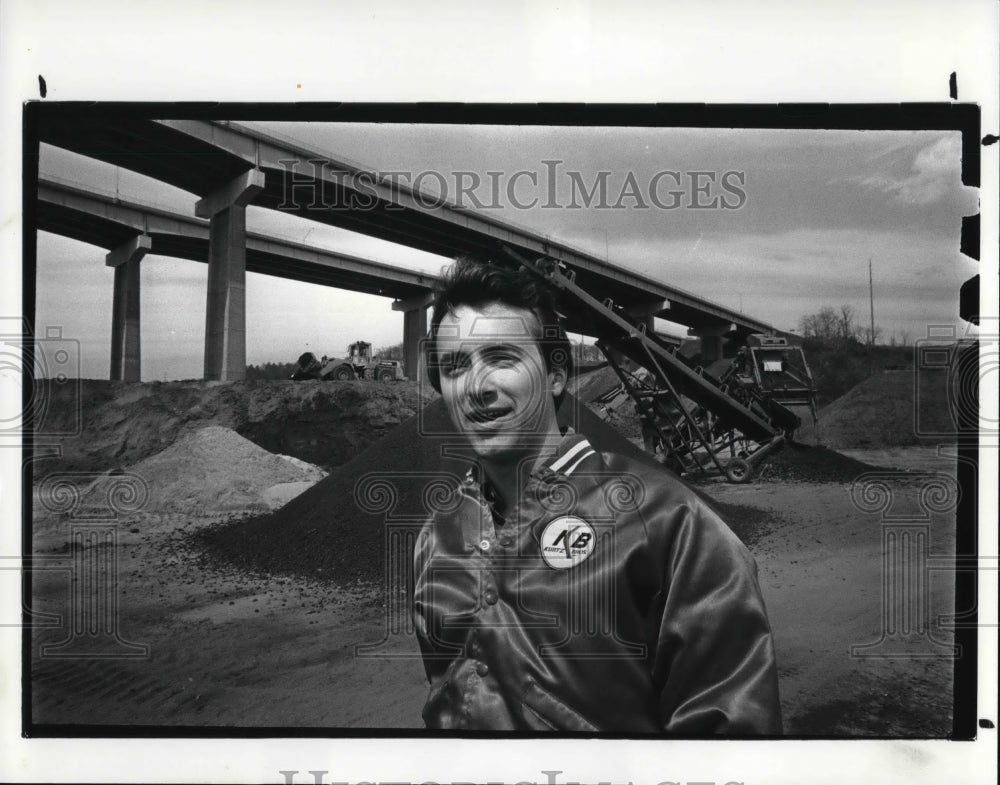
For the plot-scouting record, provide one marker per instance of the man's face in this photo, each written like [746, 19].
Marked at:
[494, 382]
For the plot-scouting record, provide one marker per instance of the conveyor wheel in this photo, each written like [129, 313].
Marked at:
[739, 470]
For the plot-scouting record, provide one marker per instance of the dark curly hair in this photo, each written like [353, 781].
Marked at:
[476, 283]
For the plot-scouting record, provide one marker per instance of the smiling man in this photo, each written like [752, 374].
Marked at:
[561, 588]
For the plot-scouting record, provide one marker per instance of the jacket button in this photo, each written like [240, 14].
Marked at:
[485, 545]
[506, 541]
[490, 596]
[482, 669]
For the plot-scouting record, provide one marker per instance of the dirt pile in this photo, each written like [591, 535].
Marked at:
[326, 532]
[594, 383]
[102, 425]
[591, 383]
[338, 528]
[810, 463]
[889, 409]
[213, 470]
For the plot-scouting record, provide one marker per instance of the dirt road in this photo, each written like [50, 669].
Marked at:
[235, 649]
[224, 649]
[828, 572]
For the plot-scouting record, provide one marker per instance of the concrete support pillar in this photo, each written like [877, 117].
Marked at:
[646, 313]
[711, 340]
[126, 347]
[414, 330]
[225, 311]
[711, 349]
[646, 319]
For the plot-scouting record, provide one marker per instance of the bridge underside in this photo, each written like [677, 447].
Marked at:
[208, 158]
[263, 255]
[114, 225]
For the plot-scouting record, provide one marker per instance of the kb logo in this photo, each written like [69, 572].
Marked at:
[567, 541]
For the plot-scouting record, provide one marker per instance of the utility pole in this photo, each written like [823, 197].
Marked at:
[871, 302]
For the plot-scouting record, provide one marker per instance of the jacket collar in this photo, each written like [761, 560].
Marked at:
[571, 452]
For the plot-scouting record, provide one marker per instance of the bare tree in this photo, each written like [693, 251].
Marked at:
[832, 324]
[846, 326]
[394, 352]
[824, 325]
[868, 338]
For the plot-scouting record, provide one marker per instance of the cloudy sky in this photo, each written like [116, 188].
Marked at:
[793, 218]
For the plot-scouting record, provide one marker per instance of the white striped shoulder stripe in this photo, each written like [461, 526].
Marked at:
[580, 460]
[569, 455]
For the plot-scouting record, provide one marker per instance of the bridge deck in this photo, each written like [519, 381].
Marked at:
[200, 157]
[108, 222]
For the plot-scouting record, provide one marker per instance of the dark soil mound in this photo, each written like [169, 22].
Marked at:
[337, 528]
[889, 409]
[804, 463]
[341, 527]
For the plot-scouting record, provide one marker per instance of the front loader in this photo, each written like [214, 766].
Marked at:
[358, 364]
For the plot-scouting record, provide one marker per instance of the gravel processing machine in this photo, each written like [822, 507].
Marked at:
[692, 419]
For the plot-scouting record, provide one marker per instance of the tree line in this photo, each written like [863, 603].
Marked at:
[842, 354]
[838, 324]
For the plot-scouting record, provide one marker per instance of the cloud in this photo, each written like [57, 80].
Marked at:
[933, 176]
[779, 277]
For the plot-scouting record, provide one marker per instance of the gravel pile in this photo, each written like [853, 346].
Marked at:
[212, 470]
[804, 463]
[324, 532]
[337, 528]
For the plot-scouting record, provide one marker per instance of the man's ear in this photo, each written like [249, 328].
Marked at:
[557, 380]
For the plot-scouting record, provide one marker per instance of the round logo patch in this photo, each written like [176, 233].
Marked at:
[567, 541]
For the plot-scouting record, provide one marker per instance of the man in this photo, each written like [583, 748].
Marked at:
[564, 589]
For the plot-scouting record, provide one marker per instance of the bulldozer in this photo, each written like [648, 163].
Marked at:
[358, 364]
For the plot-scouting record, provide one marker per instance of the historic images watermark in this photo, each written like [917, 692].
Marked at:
[549, 777]
[91, 505]
[35, 371]
[906, 506]
[965, 364]
[327, 185]
[42, 402]
[590, 601]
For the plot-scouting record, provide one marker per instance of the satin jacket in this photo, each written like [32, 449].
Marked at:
[612, 599]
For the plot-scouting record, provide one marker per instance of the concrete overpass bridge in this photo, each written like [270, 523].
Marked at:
[230, 166]
[130, 230]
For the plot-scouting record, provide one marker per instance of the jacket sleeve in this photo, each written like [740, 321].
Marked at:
[435, 661]
[714, 658]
